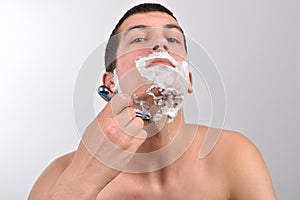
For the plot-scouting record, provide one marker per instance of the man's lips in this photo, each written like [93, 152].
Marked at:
[159, 61]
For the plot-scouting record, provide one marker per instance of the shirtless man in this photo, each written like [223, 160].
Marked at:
[233, 169]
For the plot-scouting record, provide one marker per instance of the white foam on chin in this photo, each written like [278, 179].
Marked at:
[171, 82]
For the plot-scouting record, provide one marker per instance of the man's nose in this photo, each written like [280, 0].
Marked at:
[159, 47]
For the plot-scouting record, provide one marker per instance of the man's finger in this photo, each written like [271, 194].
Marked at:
[124, 117]
[117, 103]
[134, 127]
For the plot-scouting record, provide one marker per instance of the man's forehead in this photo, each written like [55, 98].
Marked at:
[149, 19]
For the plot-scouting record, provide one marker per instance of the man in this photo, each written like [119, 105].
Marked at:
[233, 169]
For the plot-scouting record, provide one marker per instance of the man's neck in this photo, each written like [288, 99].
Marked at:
[162, 133]
[166, 145]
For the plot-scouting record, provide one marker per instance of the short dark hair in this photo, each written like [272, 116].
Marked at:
[113, 42]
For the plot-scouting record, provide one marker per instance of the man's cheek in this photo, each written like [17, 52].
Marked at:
[127, 62]
[131, 81]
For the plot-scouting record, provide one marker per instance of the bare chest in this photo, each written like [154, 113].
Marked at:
[193, 186]
[189, 178]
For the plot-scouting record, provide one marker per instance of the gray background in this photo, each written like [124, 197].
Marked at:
[43, 45]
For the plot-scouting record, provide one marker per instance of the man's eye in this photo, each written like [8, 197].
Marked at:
[137, 40]
[172, 40]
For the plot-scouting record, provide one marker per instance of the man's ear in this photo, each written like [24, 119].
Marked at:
[108, 80]
[190, 90]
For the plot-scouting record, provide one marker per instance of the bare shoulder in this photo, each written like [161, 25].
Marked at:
[49, 177]
[240, 161]
[235, 144]
[237, 151]
[230, 146]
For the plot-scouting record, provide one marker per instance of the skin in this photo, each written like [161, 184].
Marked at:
[234, 169]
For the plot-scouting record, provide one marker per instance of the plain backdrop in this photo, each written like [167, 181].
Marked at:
[43, 45]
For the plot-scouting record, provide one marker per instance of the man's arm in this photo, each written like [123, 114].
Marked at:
[85, 176]
[73, 176]
[48, 178]
[249, 175]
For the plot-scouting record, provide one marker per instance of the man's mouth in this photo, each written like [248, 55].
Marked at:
[159, 61]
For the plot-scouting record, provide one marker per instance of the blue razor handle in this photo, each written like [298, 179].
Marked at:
[106, 94]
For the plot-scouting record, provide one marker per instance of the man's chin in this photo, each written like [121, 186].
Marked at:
[142, 95]
[143, 98]
[147, 93]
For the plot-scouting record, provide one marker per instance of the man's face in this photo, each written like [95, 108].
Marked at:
[140, 35]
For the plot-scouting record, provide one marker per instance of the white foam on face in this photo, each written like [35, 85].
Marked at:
[170, 84]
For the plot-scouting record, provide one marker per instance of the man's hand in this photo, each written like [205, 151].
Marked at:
[108, 144]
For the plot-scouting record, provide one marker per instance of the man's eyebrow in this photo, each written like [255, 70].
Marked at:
[135, 27]
[170, 26]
